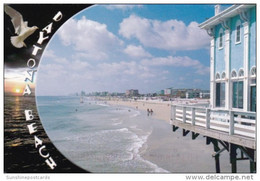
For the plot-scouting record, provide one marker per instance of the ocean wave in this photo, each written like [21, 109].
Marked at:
[137, 144]
[116, 121]
[103, 104]
[137, 113]
[113, 138]
[135, 152]
[125, 130]
[155, 167]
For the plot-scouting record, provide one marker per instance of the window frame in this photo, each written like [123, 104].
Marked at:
[218, 103]
[238, 95]
[223, 75]
[253, 72]
[220, 37]
[241, 71]
[217, 77]
[238, 24]
[234, 72]
[252, 84]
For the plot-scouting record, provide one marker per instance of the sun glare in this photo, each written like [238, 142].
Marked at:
[17, 90]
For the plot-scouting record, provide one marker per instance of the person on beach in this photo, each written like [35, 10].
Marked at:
[151, 111]
[148, 112]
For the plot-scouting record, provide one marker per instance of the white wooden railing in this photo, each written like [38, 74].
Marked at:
[232, 122]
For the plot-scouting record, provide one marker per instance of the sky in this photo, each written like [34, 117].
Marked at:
[118, 47]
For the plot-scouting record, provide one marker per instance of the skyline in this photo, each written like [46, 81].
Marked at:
[118, 47]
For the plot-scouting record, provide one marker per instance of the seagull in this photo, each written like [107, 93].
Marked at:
[21, 27]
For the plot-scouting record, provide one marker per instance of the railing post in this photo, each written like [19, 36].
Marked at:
[231, 122]
[173, 112]
[193, 116]
[184, 114]
[207, 119]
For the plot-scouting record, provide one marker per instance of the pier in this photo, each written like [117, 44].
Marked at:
[233, 131]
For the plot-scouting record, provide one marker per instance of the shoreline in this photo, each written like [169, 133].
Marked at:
[163, 147]
[170, 150]
[161, 111]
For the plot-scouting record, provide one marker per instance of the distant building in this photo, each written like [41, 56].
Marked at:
[205, 94]
[82, 93]
[168, 91]
[194, 93]
[132, 92]
[160, 93]
[104, 93]
[181, 93]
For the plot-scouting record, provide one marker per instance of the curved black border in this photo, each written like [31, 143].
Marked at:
[25, 158]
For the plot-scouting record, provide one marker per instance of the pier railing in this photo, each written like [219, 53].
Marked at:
[232, 122]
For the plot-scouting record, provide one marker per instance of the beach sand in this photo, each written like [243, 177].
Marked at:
[161, 111]
[173, 152]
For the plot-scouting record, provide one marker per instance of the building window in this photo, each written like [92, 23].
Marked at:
[223, 75]
[220, 45]
[238, 32]
[220, 94]
[233, 74]
[253, 71]
[253, 89]
[238, 87]
[241, 73]
[253, 98]
[217, 76]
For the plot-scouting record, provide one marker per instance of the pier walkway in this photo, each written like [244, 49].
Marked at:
[233, 130]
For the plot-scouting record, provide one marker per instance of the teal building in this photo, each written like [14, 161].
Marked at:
[233, 57]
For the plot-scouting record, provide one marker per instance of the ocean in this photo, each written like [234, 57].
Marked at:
[96, 136]
[20, 154]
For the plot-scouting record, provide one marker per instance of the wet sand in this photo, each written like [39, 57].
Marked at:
[173, 152]
[161, 111]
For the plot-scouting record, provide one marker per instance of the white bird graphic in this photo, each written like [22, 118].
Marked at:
[21, 27]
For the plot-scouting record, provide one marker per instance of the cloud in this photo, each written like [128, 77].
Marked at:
[49, 53]
[202, 70]
[16, 74]
[122, 7]
[90, 37]
[167, 35]
[72, 75]
[177, 61]
[90, 55]
[136, 51]
[198, 80]
[121, 69]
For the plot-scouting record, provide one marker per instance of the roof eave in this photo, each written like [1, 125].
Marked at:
[227, 13]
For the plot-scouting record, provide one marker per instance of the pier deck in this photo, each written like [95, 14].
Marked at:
[233, 130]
[235, 139]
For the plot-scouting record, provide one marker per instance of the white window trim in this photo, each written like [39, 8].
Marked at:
[223, 78]
[252, 84]
[217, 75]
[220, 31]
[234, 78]
[220, 107]
[253, 76]
[238, 23]
[231, 90]
[239, 71]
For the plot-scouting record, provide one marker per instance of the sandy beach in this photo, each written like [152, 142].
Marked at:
[161, 111]
[170, 150]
